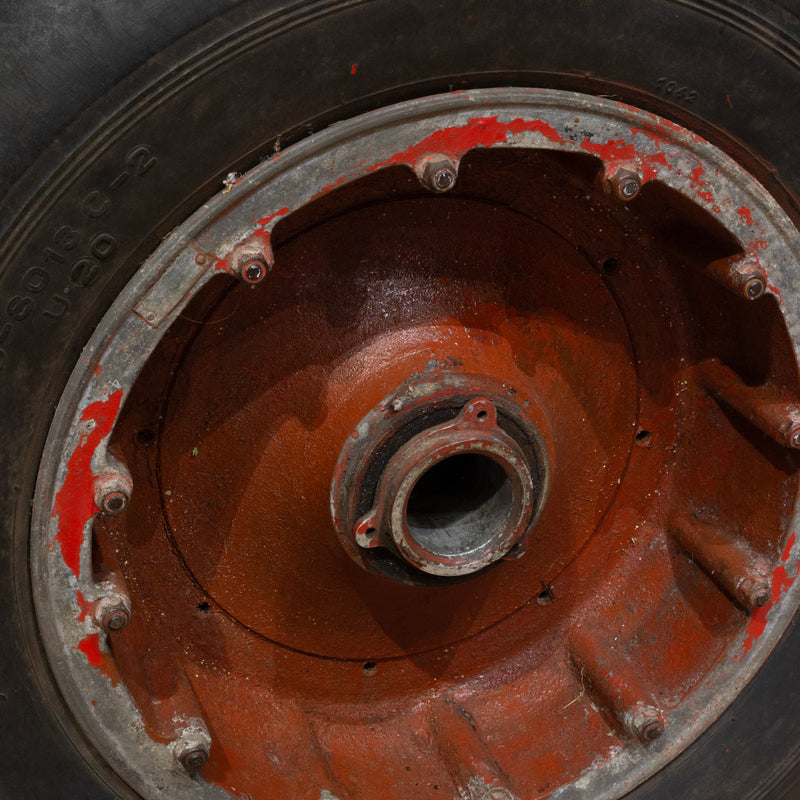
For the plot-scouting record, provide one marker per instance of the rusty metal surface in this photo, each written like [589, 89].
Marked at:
[591, 304]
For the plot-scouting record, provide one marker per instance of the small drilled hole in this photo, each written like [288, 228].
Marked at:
[482, 415]
[610, 266]
[145, 437]
[546, 595]
[369, 668]
[204, 607]
[643, 437]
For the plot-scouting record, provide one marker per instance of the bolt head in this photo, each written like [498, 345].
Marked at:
[439, 174]
[114, 502]
[754, 287]
[795, 438]
[444, 179]
[652, 730]
[625, 184]
[194, 759]
[115, 620]
[629, 189]
[253, 271]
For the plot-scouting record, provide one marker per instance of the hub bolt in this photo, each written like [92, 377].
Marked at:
[625, 184]
[112, 493]
[253, 271]
[193, 746]
[112, 609]
[439, 174]
[252, 261]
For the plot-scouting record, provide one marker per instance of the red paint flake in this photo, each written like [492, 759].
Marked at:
[456, 140]
[781, 582]
[85, 606]
[353, 69]
[74, 504]
[697, 174]
[787, 551]
[611, 152]
[266, 220]
[745, 214]
[90, 647]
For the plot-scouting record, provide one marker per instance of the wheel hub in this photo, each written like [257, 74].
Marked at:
[481, 345]
[452, 481]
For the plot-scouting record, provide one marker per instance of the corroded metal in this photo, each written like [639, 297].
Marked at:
[254, 605]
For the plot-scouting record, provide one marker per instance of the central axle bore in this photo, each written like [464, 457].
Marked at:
[441, 483]
[459, 505]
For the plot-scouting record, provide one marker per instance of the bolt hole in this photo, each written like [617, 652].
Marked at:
[546, 595]
[204, 606]
[482, 415]
[145, 437]
[369, 668]
[610, 266]
[643, 437]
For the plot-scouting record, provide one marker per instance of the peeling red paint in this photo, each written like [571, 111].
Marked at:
[101, 661]
[612, 152]
[85, 606]
[266, 220]
[90, 647]
[353, 69]
[746, 215]
[478, 132]
[781, 582]
[74, 504]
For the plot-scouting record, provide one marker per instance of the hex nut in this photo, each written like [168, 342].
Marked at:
[625, 184]
[112, 609]
[644, 722]
[439, 174]
[192, 748]
[112, 493]
[252, 261]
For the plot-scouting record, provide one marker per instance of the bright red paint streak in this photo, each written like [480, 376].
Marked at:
[264, 222]
[353, 69]
[459, 139]
[90, 647]
[781, 581]
[74, 504]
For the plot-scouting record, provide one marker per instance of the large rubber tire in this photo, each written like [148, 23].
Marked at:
[262, 75]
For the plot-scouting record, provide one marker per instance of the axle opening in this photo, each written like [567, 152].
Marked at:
[459, 505]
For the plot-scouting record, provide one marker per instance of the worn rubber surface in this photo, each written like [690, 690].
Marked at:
[228, 94]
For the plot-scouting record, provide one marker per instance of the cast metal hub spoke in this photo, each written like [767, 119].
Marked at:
[433, 431]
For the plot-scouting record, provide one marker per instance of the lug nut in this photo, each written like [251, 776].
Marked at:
[253, 271]
[625, 184]
[741, 274]
[192, 747]
[439, 174]
[644, 722]
[112, 493]
[115, 620]
[112, 609]
[252, 261]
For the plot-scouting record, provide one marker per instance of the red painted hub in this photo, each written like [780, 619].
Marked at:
[554, 305]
